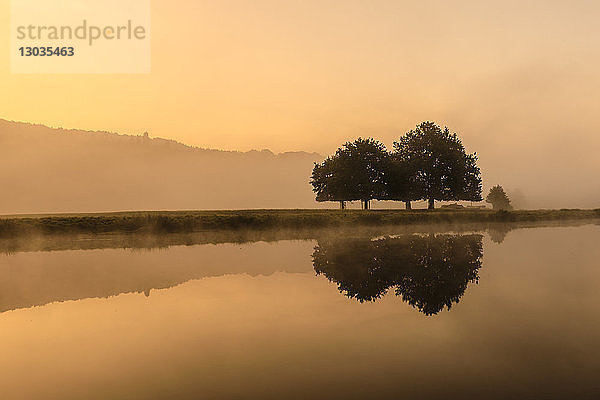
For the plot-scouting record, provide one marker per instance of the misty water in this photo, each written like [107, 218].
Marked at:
[471, 313]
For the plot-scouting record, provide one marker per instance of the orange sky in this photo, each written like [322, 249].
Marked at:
[518, 80]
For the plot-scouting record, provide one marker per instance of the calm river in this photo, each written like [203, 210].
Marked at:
[474, 314]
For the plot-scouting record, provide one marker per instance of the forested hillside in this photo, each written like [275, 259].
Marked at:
[55, 170]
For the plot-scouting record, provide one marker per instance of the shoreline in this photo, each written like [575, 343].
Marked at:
[158, 222]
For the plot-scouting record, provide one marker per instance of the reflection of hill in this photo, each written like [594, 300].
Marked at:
[429, 272]
[38, 278]
[54, 170]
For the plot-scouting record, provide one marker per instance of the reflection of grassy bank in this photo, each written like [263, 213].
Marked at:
[155, 240]
[197, 221]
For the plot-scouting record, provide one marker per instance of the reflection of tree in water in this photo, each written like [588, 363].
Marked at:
[498, 233]
[428, 272]
[441, 268]
[353, 264]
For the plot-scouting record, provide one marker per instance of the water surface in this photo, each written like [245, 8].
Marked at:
[412, 315]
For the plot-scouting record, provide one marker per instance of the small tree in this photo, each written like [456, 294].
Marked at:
[443, 169]
[498, 198]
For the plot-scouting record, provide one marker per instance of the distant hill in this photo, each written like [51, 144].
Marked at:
[45, 170]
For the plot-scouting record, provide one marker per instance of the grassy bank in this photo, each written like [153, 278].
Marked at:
[196, 221]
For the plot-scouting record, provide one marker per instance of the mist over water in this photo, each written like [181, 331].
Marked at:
[348, 312]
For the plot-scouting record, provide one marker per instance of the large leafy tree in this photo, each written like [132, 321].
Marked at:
[443, 170]
[357, 171]
[330, 182]
[498, 198]
[401, 184]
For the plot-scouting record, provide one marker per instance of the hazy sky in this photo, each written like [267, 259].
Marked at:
[517, 79]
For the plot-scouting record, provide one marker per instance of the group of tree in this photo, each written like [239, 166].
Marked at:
[429, 272]
[427, 163]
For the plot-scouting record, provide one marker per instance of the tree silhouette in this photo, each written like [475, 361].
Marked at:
[444, 171]
[429, 272]
[355, 172]
[330, 182]
[401, 183]
[498, 198]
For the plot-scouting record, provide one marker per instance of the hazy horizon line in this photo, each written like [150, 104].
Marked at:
[100, 131]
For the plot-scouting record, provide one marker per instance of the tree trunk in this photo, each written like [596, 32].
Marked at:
[408, 205]
[431, 205]
[342, 205]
